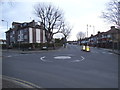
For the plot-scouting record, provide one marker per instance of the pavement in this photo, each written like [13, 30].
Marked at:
[109, 50]
[114, 51]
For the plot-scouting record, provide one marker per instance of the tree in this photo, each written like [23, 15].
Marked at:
[65, 30]
[112, 13]
[51, 18]
[80, 35]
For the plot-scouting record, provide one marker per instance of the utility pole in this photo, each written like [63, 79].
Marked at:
[87, 31]
[87, 36]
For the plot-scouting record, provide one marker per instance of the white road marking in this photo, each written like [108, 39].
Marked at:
[9, 56]
[78, 60]
[43, 59]
[62, 57]
[103, 52]
[82, 58]
[110, 53]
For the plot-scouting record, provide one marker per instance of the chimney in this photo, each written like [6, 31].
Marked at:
[91, 35]
[33, 20]
[98, 32]
[112, 27]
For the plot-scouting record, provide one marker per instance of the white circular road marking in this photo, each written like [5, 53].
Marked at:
[62, 58]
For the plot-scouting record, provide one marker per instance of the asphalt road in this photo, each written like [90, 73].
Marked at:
[64, 68]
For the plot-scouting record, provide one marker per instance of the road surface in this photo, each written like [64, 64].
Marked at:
[64, 68]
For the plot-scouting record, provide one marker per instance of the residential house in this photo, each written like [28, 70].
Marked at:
[27, 32]
[109, 39]
[113, 37]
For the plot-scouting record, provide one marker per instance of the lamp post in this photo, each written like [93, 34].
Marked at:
[6, 22]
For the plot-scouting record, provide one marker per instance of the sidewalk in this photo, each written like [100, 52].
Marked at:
[115, 51]
[112, 51]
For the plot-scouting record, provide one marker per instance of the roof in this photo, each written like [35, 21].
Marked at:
[113, 30]
[28, 24]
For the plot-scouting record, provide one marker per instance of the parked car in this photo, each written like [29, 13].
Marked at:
[44, 48]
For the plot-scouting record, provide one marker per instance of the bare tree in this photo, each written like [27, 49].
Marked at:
[65, 30]
[112, 13]
[51, 19]
[80, 35]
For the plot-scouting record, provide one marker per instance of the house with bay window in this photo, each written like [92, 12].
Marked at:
[108, 39]
[25, 33]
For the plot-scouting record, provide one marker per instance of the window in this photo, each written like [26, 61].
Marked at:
[108, 35]
[25, 30]
[13, 26]
[21, 25]
[13, 32]
[25, 36]
[24, 24]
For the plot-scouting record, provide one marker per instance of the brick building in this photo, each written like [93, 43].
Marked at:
[27, 32]
[109, 39]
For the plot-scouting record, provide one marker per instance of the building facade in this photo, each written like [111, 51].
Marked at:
[109, 39]
[27, 32]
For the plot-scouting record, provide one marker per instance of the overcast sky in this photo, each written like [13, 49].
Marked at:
[78, 13]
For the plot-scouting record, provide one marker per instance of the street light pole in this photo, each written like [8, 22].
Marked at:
[6, 22]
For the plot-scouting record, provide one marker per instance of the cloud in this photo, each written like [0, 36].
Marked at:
[79, 13]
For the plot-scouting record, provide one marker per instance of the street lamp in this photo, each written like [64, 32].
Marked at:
[6, 22]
